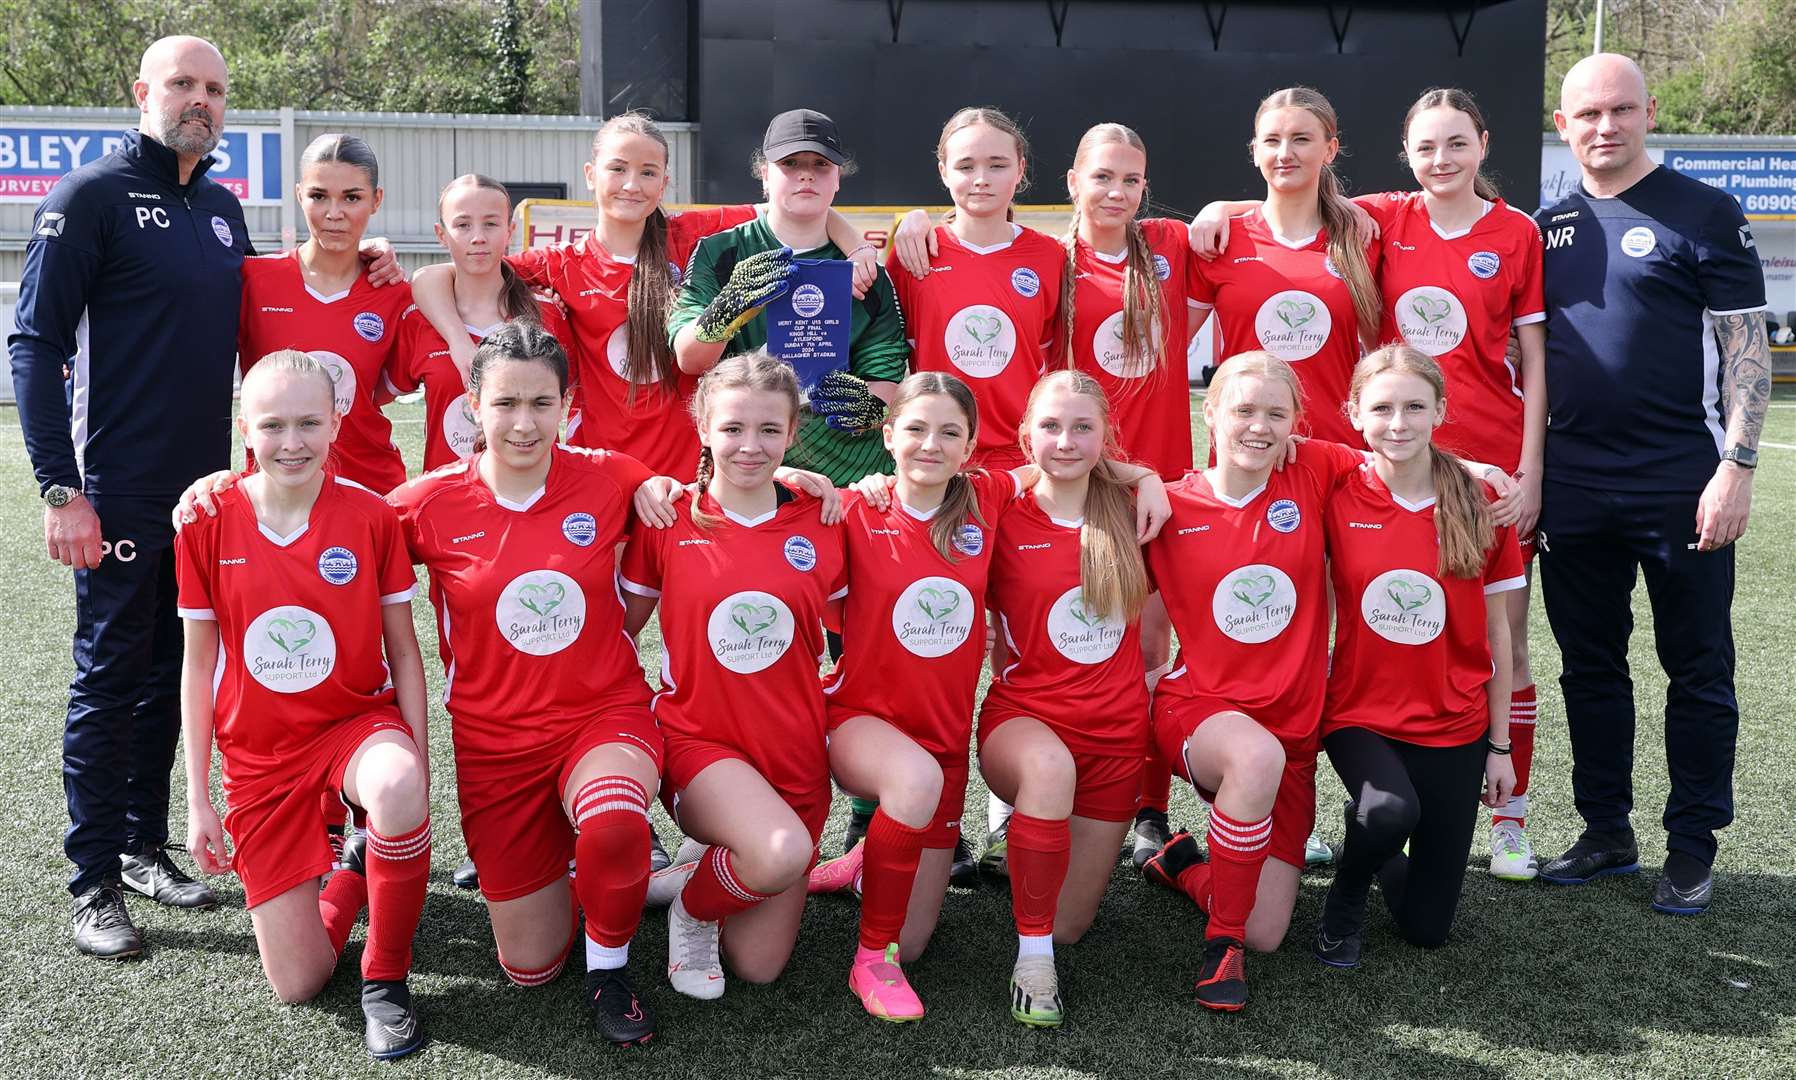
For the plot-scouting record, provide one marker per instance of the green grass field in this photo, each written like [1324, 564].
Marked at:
[1537, 981]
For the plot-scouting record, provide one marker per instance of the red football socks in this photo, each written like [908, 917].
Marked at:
[611, 857]
[1237, 852]
[398, 870]
[339, 902]
[1524, 709]
[890, 869]
[714, 892]
[1038, 854]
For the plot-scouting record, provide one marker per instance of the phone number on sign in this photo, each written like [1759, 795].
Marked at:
[1784, 203]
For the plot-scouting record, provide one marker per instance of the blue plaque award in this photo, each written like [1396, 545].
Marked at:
[808, 325]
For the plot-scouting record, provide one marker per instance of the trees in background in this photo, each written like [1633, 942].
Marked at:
[1717, 66]
[482, 56]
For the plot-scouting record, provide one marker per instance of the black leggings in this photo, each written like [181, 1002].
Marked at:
[1425, 795]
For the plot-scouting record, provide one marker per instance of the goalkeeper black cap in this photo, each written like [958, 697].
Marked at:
[799, 130]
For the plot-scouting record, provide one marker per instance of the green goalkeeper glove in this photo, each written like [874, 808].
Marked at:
[846, 404]
[757, 279]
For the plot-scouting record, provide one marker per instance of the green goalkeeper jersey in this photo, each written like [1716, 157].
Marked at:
[876, 348]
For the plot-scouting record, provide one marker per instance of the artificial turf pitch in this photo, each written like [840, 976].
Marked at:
[1536, 981]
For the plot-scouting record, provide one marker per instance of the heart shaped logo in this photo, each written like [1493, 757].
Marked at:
[1116, 330]
[1252, 590]
[542, 599]
[467, 414]
[292, 635]
[1408, 595]
[1432, 309]
[334, 370]
[938, 604]
[983, 328]
[1295, 313]
[752, 618]
[1079, 612]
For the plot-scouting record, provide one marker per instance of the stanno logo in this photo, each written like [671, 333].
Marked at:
[1364, 525]
[144, 195]
[1188, 530]
[1034, 547]
[465, 539]
[1402, 247]
[1248, 258]
[689, 543]
[282, 310]
[233, 562]
[1566, 216]
[52, 224]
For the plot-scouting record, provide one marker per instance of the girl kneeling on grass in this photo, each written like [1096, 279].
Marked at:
[557, 754]
[301, 579]
[1064, 729]
[744, 581]
[1422, 574]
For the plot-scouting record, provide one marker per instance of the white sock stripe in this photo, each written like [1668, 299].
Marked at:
[590, 795]
[1240, 843]
[622, 784]
[605, 808]
[735, 888]
[1237, 833]
[533, 978]
[395, 850]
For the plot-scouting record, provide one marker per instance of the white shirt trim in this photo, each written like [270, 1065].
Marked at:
[1294, 245]
[521, 507]
[1529, 320]
[749, 523]
[839, 593]
[277, 539]
[1241, 502]
[639, 589]
[1074, 523]
[404, 596]
[1114, 260]
[1015, 231]
[205, 614]
[320, 297]
[1484, 208]
[920, 515]
[1506, 585]
[1744, 310]
[1412, 507]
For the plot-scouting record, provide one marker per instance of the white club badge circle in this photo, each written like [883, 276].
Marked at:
[1254, 603]
[617, 354]
[1431, 320]
[342, 374]
[1293, 324]
[749, 631]
[1406, 607]
[460, 428]
[1081, 634]
[1107, 347]
[980, 340]
[541, 612]
[289, 649]
[933, 616]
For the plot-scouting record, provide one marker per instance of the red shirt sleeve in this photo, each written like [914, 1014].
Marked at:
[1503, 562]
[641, 565]
[1528, 304]
[539, 266]
[397, 582]
[624, 471]
[193, 581]
[403, 368]
[1199, 285]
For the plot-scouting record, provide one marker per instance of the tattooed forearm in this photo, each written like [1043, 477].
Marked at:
[1745, 375]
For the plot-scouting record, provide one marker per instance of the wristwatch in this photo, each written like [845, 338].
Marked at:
[57, 496]
[1743, 456]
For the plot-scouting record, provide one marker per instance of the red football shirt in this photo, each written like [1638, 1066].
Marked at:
[652, 425]
[354, 334]
[1456, 297]
[1288, 299]
[1243, 581]
[1075, 670]
[1412, 655]
[988, 316]
[299, 621]
[423, 360]
[742, 607]
[1150, 397]
[530, 619]
[913, 626]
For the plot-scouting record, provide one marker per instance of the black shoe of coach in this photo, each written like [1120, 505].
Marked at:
[1595, 855]
[103, 927]
[154, 874]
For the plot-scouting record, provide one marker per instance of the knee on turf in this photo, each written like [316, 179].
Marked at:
[295, 985]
